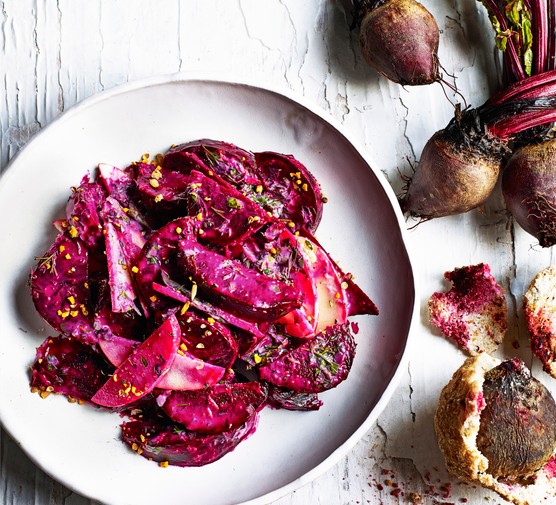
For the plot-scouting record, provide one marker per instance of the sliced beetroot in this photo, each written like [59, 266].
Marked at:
[232, 286]
[107, 323]
[161, 191]
[189, 373]
[59, 288]
[191, 188]
[117, 183]
[271, 250]
[82, 211]
[356, 300]
[287, 180]
[124, 239]
[170, 443]
[226, 215]
[288, 399]
[186, 373]
[154, 259]
[215, 409]
[228, 161]
[316, 365]
[328, 304]
[226, 317]
[208, 340]
[123, 189]
[272, 345]
[178, 292]
[143, 369]
[66, 366]
[121, 288]
[117, 349]
[131, 233]
[274, 251]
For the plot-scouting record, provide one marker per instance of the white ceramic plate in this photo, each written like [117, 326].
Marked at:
[361, 227]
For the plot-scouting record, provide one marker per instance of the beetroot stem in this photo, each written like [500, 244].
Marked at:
[551, 35]
[540, 38]
[531, 87]
[510, 54]
[513, 125]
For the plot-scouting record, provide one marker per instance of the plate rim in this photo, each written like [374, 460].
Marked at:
[295, 97]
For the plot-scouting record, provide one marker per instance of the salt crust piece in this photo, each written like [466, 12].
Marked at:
[473, 312]
[457, 423]
[540, 314]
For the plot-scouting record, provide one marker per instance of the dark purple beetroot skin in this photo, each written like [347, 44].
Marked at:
[399, 39]
[316, 365]
[529, 186]
[168, 442]
[216, 409]
[66, 366]
[288, 399]
[518, 424]
[450, 180]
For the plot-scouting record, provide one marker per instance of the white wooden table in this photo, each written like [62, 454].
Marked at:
[54, 53]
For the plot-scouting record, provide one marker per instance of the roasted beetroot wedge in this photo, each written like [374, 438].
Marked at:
[226, 215]
[167, 442]
[316, 365]
[82, 211]
[155, 257]
[66, 366]
[59, 288]
[216, 409]
[186, 373]
[208, 340]
[355, 299]
[107, 323]
[283, 398]
[143, 369]
[228, 161]
[235, 287]
[287, 180]
[117, 183]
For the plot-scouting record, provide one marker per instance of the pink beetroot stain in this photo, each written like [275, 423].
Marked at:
[473, 287]
[550, 467]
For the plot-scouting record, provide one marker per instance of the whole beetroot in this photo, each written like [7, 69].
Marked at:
[529, 188]
[457, 172]
[399, 39]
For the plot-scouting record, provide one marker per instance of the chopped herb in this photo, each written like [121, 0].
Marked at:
[233, 203]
